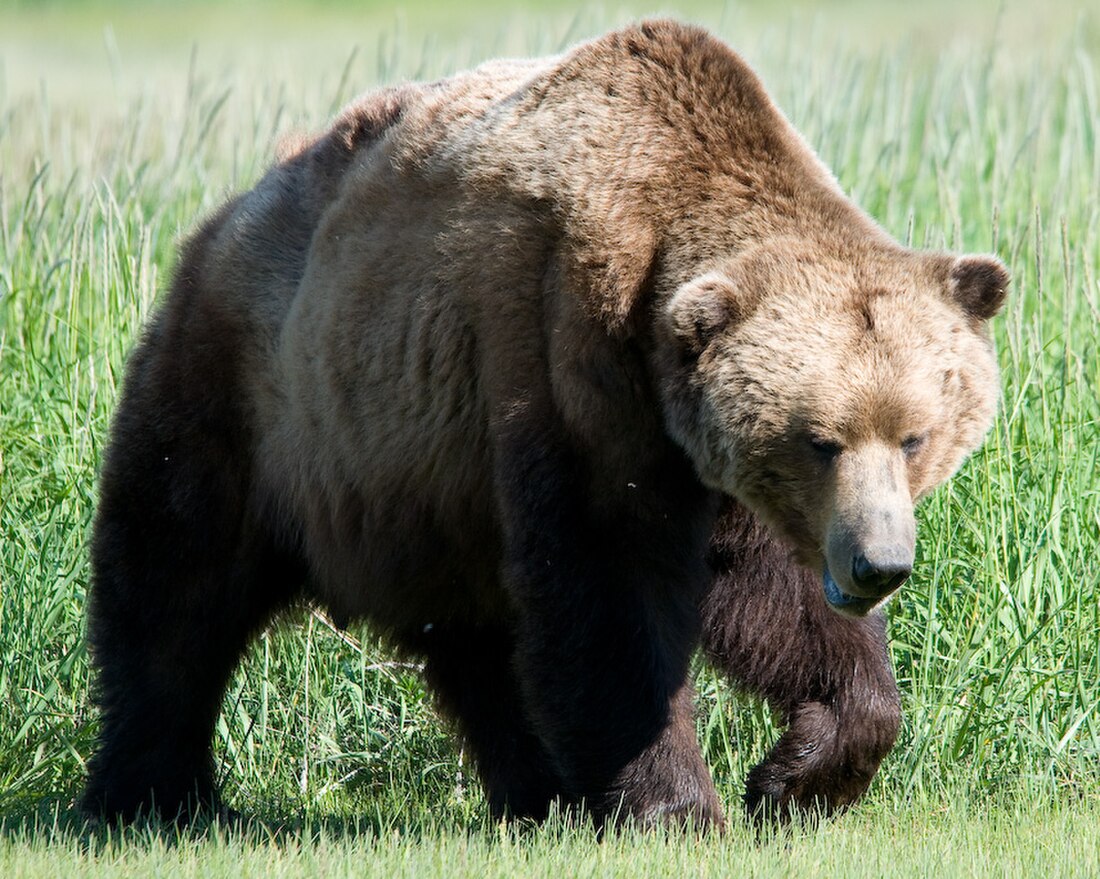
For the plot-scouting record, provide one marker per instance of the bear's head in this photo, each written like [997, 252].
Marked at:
[830, 390]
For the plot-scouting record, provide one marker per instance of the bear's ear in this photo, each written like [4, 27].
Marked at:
[979, 284]
[702, 308]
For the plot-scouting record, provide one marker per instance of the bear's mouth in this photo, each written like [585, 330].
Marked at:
[842, 602]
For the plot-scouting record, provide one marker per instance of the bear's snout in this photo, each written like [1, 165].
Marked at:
[881, 573]
[874, 574]
[870, 541]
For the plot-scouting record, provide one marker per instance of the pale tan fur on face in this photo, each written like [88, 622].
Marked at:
[866, 353]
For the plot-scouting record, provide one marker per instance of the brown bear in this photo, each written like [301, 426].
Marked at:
[551, 371]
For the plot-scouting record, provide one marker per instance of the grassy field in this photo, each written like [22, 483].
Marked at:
[968, 126]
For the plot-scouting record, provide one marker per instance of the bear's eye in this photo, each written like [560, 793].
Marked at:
[826, 449]
[913, 444]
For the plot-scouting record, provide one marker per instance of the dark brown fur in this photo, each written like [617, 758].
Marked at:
[766, 624]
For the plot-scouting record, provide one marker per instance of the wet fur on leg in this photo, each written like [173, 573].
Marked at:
[767, 626]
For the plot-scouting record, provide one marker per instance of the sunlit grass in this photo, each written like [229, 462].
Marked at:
[1036, 840]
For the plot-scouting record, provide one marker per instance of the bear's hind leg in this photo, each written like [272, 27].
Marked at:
[163, 647]
[471, 674]
[766, 624]
[183, 575]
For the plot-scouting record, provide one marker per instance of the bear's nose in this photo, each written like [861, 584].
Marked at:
[881, 576]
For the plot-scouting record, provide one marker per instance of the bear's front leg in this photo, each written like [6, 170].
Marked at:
[606, 595]
[767, 625]
[669, 780]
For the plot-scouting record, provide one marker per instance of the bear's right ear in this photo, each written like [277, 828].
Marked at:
[979, 284]
[702, 308]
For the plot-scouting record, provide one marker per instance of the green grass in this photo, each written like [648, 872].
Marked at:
[973, 127]
[1032, 841]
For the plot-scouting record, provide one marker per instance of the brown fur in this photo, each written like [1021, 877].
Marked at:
[476, 365]
[828, 677]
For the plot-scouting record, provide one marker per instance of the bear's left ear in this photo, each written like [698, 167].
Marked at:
[979, 284]
[702, 308]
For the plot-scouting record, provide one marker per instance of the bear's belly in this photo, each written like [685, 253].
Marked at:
[400, 561]
[377, 449]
